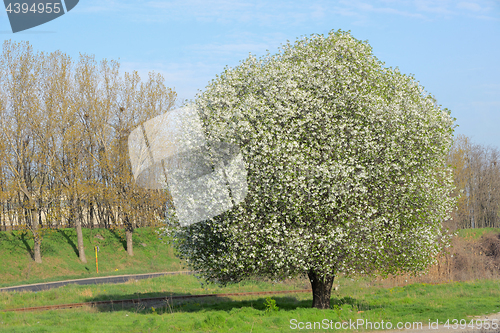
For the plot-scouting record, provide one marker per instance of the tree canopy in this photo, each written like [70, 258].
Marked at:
[346, 163]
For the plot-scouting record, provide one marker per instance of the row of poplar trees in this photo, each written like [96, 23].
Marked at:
[64, 128]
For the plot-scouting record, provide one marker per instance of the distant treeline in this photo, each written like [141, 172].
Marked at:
[477, 178]
[64, 129]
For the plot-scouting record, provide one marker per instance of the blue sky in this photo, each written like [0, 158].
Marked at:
[451, 46]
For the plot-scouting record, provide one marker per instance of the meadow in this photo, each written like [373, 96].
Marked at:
[358, 299]
[390, 300]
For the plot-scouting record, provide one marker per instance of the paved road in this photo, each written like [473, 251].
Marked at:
[96, 280]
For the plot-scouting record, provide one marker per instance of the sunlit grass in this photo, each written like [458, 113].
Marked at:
[60, 256]
[357, 299]
[155, 287]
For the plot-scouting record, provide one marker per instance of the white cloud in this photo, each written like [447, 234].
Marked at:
[318, 11]
[385, 10]
[110, 6]
[439, 7]
[225, 11]
[240, 44]
[215, 50]
[469, 6]
[419, 9]
[184, 78]
[482, 10]
[280, 12]
[492, 89]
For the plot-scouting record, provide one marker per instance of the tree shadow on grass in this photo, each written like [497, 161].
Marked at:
[120, 240]
[166, 304]
[70, 241]
[28, 247]
[171, 305]
[15, 241]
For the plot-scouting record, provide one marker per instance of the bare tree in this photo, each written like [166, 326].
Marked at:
[137, 102]
[27, 128]
[477, 179]
[63, 143]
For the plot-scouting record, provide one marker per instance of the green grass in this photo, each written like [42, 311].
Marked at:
[155, 287]
[355, 300]
[60, 256]
[475, 234]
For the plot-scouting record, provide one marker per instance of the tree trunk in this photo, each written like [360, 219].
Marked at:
[129, 229]
[322, 289]
[128, 234]
[37, 254]
[78, 226]
[79, 236]
[91, 215]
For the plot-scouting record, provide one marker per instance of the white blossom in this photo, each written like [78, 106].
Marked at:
[345, 166]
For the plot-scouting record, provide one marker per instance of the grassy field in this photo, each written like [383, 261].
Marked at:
[155, 287]
[361, 298]
[358, 299]
[60, 255]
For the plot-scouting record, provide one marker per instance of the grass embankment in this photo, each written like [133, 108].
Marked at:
[354, 300]
[60, 255]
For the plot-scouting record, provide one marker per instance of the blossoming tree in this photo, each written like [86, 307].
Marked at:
[346, 168]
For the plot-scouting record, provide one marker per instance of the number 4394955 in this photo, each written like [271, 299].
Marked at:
[40, 8]
[473, 324]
